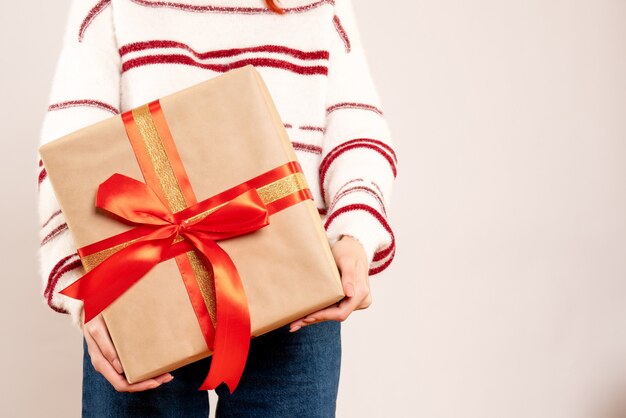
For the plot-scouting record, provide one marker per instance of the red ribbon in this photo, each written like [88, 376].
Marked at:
[236, 211]
[138, 204]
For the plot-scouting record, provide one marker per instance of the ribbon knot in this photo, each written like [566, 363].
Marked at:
[201, 225]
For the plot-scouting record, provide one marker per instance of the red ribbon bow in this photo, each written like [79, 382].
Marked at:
[136, 203]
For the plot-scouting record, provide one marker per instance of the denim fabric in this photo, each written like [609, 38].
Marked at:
[291, 375]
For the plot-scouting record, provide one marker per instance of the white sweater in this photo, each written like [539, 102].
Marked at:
[119, 54]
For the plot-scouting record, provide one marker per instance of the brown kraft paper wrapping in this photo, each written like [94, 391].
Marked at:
[227, 130]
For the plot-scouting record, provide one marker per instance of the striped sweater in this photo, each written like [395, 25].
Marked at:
[119, 54]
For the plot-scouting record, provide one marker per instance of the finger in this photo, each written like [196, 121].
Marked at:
[147, 384]
[362, 274]
[352, 273]
[347, 267]
[294, 325]
[343, 309]
[297, 324]
[308, 319]
[100, 334]
[297, 321]
[337, 312]
[118, 381]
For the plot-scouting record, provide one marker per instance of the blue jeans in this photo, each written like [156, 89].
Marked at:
[289, 375]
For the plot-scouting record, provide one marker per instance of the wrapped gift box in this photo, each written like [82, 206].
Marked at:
[226, 131]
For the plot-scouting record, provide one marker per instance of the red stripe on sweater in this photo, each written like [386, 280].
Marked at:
[56, 231]
[307, 128]
[312, 128]
[222, 53]
[54, 215]
[259, 62]
[55, 270]
[73, 265]
[300, 146]
[377, 187]
[354, 105]
[354, 189]
[348, 183]
[228, 9]
[83, 102]
[338, 151]
[379, 255]
[42, 175]
[95, 11]
[59, 310]
[380, 143]
[377, 195]
[342, 32]
[378, 269]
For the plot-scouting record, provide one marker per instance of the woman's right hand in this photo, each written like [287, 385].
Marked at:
[104, 359]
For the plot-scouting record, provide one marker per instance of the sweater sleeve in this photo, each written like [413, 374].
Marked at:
[358, 164]
[85, 90]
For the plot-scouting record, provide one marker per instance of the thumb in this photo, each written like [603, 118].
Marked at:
[347, 267]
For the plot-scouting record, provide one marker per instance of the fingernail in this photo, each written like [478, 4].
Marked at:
[165, 379]
[118, 366]
[310, 319]
[297, 327]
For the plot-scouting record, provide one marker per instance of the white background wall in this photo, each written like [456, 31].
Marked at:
[507, 297]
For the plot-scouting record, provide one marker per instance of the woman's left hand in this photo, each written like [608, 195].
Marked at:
[352, 262]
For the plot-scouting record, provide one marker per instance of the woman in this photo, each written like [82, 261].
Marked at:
[119, 54]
